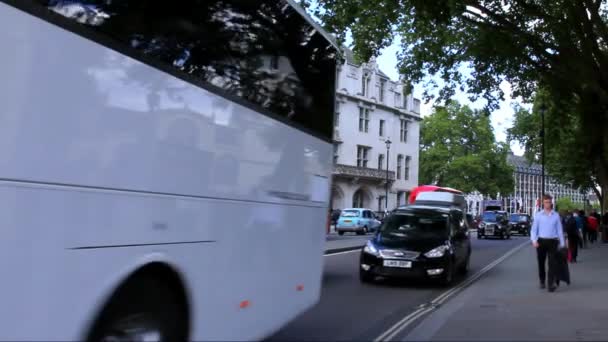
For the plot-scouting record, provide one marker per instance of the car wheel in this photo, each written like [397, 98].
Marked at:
[509, 236]
[361, 232]
[340, 232]
[479, 237]
[145, 308]
[365, 276]
[365, 230]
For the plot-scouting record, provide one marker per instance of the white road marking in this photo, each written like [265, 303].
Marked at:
[412, 317]
[346, 252]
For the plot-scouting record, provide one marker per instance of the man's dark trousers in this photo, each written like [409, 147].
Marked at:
[547, 248]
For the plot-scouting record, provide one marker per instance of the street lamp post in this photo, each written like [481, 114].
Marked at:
[542, 137]
[388, 147]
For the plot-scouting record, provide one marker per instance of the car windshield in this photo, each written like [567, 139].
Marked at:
[492, 217]
[350, 213]
[518, 218]
[401, 226]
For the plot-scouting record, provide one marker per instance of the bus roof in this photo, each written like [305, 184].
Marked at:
[441, 199]
[330, 38]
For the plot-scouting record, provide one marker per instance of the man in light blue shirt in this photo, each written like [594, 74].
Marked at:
[546, 235]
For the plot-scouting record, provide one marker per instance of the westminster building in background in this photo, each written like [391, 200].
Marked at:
[527, 192]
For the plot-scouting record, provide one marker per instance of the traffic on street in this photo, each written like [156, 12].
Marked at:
[282, 170]
[355, 311]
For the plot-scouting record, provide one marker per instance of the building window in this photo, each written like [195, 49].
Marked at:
[397, 99]
[362, 153]
[382, 88]
[381, 128]
[363, 119]
[400, 198]
[380, 161]
[403, 131]
[365, 84]
[399, 162]
[408, 159]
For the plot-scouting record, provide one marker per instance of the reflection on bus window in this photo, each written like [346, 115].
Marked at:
[262, 52]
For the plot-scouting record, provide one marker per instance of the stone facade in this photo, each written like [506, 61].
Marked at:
[370, 110]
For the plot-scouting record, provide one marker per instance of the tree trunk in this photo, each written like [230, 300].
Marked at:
[604, 199]
[603, 183]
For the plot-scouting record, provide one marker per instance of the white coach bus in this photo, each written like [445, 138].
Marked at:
[164, 168]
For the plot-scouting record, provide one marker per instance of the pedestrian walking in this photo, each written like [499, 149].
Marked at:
[573, 235]
[580, 226]
[585, 230]
[547, 236]
[593, 225]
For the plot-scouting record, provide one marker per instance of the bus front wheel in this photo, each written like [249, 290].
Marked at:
[143, 310]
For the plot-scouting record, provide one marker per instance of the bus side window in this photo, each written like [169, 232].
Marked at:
[263, 52]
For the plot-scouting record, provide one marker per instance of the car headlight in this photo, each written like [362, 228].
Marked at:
[482, 225]
[371, 249]
[437, 252]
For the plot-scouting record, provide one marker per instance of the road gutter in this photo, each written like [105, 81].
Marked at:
[426, 308]
[335, 251]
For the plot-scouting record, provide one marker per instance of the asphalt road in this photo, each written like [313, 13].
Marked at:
[350, 310]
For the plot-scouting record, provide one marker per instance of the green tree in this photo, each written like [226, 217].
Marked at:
[566, 203]
[458, 149]
[563, 141]
[561, 46]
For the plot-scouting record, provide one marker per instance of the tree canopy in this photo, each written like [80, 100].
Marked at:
[458, 149]
[559, 46]
[563, 139]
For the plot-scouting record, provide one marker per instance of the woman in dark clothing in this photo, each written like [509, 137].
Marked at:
[574, 236]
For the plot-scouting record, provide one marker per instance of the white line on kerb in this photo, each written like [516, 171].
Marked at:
[412, 317]
[346, 252]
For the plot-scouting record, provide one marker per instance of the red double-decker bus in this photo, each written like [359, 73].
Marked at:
[426, 188]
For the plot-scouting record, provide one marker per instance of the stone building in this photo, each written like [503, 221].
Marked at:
[372, 109]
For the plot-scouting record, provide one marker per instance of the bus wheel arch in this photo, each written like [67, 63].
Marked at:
[155, 280]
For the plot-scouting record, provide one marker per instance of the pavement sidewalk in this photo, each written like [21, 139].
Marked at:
[507, 304]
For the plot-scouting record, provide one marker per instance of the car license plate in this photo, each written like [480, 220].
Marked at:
[347, 221]
[490, 231]
[397, 263]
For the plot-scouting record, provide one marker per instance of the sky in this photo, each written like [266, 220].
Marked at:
[501, 119]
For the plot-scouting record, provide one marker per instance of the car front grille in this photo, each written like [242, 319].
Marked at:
[399, 254]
